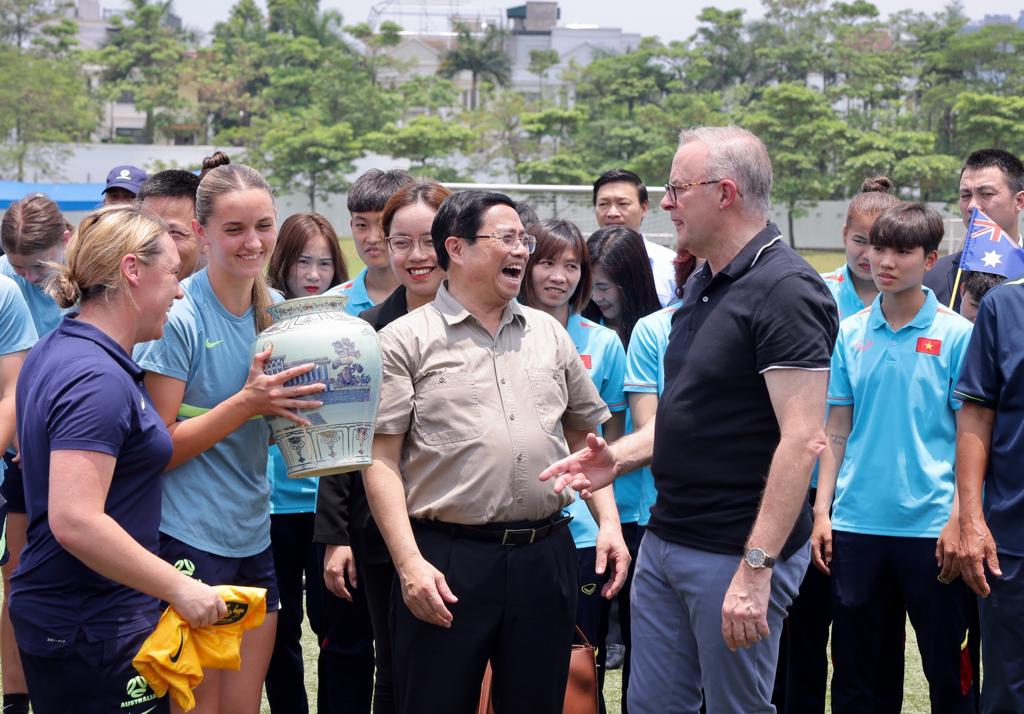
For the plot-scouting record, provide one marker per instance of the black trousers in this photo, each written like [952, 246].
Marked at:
[376, 580]
[592, 611]
[874, 577]
[346, 653]
[516, 608]
[632, 533]
[345, 663]
[802, 674]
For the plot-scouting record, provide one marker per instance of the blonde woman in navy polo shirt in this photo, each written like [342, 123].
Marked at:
[86, 592]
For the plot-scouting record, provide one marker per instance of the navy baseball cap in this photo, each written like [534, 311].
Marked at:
[130, 178]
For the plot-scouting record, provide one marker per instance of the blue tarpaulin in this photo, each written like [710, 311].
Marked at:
[69, 196]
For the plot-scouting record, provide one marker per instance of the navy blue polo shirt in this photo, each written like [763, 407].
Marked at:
[993, 377]
[716, 430]
[78, 390]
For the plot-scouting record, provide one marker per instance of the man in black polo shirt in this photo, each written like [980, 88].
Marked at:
[736, 433]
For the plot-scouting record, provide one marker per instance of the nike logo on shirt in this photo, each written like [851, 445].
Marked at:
[177, 655]
[210, 344]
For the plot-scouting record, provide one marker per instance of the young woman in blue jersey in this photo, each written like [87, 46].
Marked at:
[87, 591]
[803, 657]
[623, 289]
[216, 516]
[344, 523]
[645, 370]
[17, 335]
[623, 293]
[851, 284]
[34, 234]
[306, 261]
[557, 281]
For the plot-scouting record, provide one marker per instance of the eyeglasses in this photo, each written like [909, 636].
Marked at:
[673, 191]
[510, 240]
[403, 245]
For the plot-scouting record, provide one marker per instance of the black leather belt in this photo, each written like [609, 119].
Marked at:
[504, 533]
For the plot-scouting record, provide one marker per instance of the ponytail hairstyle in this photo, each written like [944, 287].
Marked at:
[875, 197]
[222, 178]
[92, 267]
[32, 225]
[217, 158]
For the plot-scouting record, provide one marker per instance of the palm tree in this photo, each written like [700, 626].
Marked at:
[483, 57]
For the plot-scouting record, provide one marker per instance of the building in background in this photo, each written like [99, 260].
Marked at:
[429, 31]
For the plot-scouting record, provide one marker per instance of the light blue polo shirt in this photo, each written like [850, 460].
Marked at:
[355, 291]
[897, 476]
[17, 331]
[44, 310]
[219, 500]
[840, 284]
[289, 495]
[645, 374]
[605, 360]
[628, 487]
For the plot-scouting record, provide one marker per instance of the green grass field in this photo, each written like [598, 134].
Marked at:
[915, 688]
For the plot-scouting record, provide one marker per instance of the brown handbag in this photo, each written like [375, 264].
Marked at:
[580, 690]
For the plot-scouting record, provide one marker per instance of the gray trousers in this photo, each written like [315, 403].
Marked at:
[678, 648]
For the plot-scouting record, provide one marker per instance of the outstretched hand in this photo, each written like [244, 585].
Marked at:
[585, 471]
[267, 395]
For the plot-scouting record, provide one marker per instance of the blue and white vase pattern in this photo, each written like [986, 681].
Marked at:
[346, 354]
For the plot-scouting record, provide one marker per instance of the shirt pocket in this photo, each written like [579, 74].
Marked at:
[447, 409]
[550, 396]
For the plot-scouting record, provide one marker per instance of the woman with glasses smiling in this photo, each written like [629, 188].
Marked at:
[406, 222]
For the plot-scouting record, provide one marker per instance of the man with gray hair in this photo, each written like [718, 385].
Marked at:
[737, 431]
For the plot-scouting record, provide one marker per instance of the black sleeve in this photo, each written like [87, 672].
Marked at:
[796, 325]
[333, 504]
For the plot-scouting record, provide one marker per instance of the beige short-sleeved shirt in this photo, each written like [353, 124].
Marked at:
[482, 416]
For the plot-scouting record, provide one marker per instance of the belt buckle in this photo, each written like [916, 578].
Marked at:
[531, 531]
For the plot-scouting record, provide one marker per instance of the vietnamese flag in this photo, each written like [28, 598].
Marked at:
[587, 362]
[929, 346]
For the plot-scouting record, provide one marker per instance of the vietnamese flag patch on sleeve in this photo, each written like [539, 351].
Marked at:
[587, 362]
[929, 346]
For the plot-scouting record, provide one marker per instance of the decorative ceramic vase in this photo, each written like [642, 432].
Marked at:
[346, 353]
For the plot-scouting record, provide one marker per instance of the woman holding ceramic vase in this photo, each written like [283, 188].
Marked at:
[215, 522]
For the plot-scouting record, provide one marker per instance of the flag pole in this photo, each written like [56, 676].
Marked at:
[956, 284]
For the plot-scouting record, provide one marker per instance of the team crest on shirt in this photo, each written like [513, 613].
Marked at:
[587, 361]
[929, 346]
[236, 611]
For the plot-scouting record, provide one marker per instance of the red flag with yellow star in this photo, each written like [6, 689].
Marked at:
[929, 346]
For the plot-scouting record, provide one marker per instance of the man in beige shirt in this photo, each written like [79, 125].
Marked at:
[479, 395]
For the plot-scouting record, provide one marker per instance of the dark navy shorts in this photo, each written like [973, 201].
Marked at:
[253, 571]
[13, 489]
[92, 678]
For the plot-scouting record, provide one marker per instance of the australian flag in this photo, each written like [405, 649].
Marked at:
[990, 250]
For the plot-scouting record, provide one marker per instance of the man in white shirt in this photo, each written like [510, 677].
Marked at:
[620, 199]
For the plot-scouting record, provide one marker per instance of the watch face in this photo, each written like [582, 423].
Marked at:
[755, 558]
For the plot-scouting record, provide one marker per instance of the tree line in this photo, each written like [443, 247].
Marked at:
[836, 91]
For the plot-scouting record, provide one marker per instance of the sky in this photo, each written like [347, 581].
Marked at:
[669, 19]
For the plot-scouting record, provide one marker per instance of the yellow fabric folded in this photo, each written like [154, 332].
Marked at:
[173, 657]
